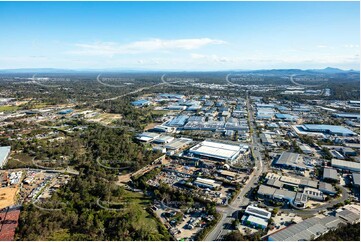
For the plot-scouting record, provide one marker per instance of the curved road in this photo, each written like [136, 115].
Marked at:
[313, 211]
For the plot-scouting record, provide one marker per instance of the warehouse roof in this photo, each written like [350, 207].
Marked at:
[306, 230]
[346, 165]
[330, 173]
[266, 190]
[327, 188]
[349, 216]
[216, 150]
[259, 212]
[291, 159]
[356, 178]
[333, 129]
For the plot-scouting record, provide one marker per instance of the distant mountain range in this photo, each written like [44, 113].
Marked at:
[328, 70]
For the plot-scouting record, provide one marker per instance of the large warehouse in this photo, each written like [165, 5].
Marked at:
[218, 151]
[4, 155]
[323, 129]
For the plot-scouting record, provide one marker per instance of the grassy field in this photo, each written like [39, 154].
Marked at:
[19, 160]
[159, 112]
[8, 108]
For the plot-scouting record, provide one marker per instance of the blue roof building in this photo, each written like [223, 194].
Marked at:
[285, 116]
[65, 111]
[179, 121]
[328, 129]
[140, 103]
[347, 115]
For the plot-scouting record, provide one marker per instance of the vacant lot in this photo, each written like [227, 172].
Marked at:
[7, 196]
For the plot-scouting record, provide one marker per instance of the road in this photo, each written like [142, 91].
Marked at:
[224, 226]
[300, 212]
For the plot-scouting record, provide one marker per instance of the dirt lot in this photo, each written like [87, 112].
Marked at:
[105, 118]
[7, 196]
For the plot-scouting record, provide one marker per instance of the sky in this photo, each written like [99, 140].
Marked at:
[180, 35]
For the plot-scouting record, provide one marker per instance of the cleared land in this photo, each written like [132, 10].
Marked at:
[7, 196]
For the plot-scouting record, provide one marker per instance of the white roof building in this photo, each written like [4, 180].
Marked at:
[218, 151]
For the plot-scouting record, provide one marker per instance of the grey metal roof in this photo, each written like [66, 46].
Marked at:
[356, 178]
[290, 159]
[274, 183]
[326, 187]
[266, 190]
[330, 173]
[307, 229]
[349, 216]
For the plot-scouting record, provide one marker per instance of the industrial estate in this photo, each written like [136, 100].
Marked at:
[226, 160]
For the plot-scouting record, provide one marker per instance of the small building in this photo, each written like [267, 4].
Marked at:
[256, 217]
[313, 194]
[258, 212]
[356, 179]
[330, 174]
[300, 200]
[207, 183]
[65, 111]
[305, 182]
[327, 188]
[266, 139]
[306, 149]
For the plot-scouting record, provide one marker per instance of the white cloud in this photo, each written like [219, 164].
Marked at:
[151, 45]
[351, 46]
[213, 58]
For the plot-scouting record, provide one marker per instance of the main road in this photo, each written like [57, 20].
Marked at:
[224, 225]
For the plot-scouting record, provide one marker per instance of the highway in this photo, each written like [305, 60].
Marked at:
[224, 226]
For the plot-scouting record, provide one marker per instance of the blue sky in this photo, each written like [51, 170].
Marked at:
[179, 35]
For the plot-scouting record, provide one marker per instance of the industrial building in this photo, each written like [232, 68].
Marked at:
[327, 188]
[268, 192]
[307, 230]
[289, 160]
[4, 155]
[141, 103]
[256, 217]
[347, 115]
[324, 129]
[178, 121]
[147, 136]
[207, 183]
[286, 117]
[218, 151]
[345, 165]
[330, 174]
[266, 139]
